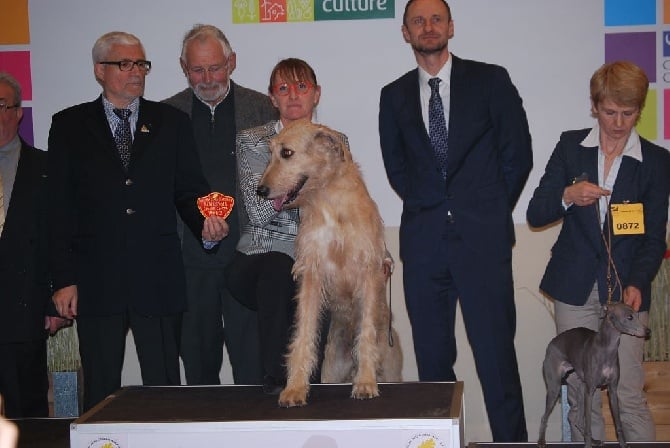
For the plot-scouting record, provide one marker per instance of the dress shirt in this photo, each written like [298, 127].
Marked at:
[424, 91]
[114, 119]
[9, 161]
[632, 149]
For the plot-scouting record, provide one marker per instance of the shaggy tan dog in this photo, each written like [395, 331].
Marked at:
[339, 256]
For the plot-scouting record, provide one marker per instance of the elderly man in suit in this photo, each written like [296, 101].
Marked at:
[121, 165]
[219, 108]
[24, 280]
[457, 150]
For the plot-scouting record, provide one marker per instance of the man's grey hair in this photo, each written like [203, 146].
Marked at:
[201, 33]
[14, 84]
[106, 41]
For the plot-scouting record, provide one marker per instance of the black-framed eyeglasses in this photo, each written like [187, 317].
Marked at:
[127, 65]
[301, 88]
[5, 107]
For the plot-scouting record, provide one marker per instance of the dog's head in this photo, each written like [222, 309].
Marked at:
[625, 319]
[305, 157]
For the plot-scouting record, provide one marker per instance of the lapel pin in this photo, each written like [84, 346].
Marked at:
[144, 129]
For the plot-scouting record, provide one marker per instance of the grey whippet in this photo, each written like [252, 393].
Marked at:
[594, 359]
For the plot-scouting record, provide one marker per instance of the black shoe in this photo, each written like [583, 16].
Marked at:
[272, 386]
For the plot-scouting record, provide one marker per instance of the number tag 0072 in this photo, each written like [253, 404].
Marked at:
[627, 219]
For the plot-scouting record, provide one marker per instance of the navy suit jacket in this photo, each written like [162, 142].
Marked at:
[114, 233]
[578, 258]
[489, 157]
[25, 295]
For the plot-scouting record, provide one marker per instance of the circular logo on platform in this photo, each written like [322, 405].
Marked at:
[425, 441]
[104, 442]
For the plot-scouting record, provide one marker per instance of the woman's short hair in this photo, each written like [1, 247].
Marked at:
[622, 82]
[292, 70]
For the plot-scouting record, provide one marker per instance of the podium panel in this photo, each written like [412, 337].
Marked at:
[406, 415]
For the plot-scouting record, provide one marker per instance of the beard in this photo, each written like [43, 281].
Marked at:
[210, 92]
[432, 48]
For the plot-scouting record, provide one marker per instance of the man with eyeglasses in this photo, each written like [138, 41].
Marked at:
[219, 108]
[120, 166]
[26, 319]
[457, 151]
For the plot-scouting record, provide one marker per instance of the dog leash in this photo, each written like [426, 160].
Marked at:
[607, 241]
[390, 329]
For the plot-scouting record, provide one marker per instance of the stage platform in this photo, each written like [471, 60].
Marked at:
[406, 415]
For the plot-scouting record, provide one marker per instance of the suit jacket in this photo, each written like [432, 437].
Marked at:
[578, 258]
[113, 233]
[249, 109]
[489, 156]
[24, 280]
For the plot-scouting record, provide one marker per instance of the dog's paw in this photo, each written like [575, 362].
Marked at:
[292, 397]
[363, 391]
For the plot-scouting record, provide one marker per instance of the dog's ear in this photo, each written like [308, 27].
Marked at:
[330, 142]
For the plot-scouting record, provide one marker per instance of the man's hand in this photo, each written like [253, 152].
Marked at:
[53, 324]
[583, 193]
[632, 297]
[65, 301]
[214, 229]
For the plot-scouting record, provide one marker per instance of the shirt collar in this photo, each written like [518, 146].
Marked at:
[444, 74]
[109, 107]
[632, 149]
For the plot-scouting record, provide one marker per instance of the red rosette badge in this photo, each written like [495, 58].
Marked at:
[216, 204]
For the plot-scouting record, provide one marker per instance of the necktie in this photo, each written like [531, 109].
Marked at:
[437, 125]
[123, 136]
[2, 206]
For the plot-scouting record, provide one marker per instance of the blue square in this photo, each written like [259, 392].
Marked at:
[630, 12]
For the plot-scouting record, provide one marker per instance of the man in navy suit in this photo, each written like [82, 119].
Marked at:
[456, 231]
[115, 250]
[25, 320]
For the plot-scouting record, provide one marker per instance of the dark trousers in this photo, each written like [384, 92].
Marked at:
[24, 382]
[264, 283]
[446, 271]
[204, 332]
[102, 343]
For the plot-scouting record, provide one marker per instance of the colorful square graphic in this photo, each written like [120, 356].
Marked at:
[666, 43]
[630, 12]
[666, 11]
[26, 126]
[639, 48]
[15, 29]
[17, 64]
[647, 127]
[269, 11]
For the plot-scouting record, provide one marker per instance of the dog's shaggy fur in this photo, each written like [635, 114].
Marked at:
[339, 256]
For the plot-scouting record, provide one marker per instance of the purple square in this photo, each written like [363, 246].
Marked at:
[639, 48]
[26, 126]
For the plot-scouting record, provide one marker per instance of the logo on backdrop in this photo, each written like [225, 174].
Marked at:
[273, 11]
[425, 441]
[104, 442]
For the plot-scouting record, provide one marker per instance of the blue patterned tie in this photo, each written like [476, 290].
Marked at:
[122, 135]
[437, 125]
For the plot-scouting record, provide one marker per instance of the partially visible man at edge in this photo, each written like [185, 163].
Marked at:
[219, 108]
